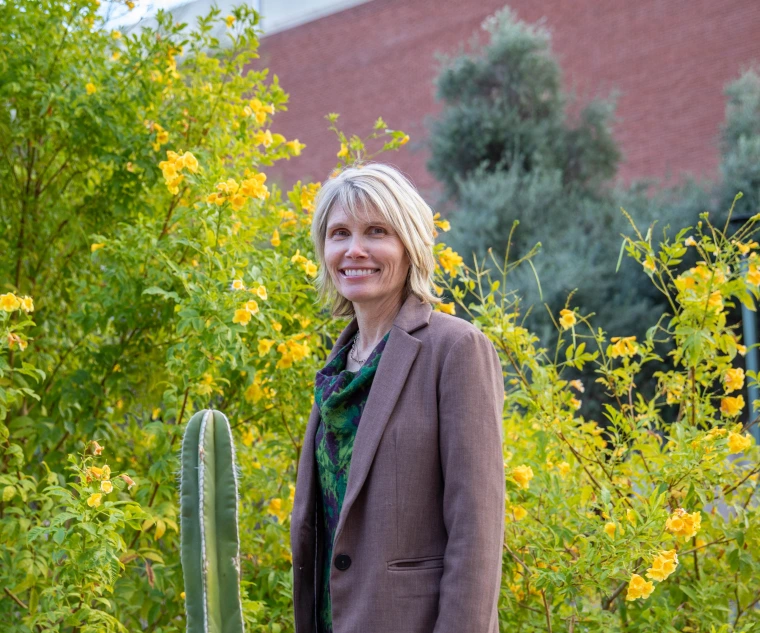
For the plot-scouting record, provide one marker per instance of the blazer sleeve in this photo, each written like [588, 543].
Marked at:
[471, 403]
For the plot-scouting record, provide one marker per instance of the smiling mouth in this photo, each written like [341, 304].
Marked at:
[345, 276]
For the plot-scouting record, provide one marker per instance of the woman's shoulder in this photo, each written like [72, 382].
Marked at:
[446, 330]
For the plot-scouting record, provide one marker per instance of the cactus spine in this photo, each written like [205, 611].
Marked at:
[210, 547]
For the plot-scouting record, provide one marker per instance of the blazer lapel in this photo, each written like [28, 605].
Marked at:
[390, 377]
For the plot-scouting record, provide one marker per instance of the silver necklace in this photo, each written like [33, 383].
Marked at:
[352, 353]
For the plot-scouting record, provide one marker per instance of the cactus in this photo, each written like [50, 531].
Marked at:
[210, 547]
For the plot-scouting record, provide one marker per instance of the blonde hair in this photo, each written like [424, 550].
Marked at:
[386, 189]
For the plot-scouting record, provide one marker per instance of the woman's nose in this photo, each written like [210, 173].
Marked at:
[355, 247]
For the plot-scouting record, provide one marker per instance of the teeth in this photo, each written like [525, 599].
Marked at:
[357, 273]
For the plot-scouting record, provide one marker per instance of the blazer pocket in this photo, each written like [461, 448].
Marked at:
[412, 564]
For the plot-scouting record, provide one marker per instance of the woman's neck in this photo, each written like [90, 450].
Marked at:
[374, 322]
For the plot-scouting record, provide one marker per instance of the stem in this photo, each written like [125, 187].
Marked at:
[607, 602]
[546, 612]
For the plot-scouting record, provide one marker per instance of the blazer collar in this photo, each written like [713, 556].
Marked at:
[398, 356]
[413, 314]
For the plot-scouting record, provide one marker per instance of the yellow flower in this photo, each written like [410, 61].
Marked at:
[252, 306]
[94, 499]
[99, 473]
[753, 275]
[689, 241]
[237, 284]
[577, 385]
[237, 201]
[448, 308]
[738, 443]
[242, 316]
[630, 515]
[247, 437]
[519, 513]
[130, 6]
[745, 248]
[609, 530]
[275, 508]
[90, 88]
[575, 403]
[97, 449]
[715, 300]
[715, 434]
[311, 269]
[129, 481]
[649, 263]
[263, 138]
[265, 344]
[106, 486]
[639, 588]
[277, 326]
[190, 161]
[567, 318]
[623, 346]
[681, 523]
[295, 147]
[308, 193]
[522, 475]
[9, 302]
[115, 55]
[275, 241]
[733, 379]
[261, 292]
[230, 20]
[343, 151]
[450, 261]
[253, 392]
[563, 468]
[254, 187]
[663, 565]
[404, 140]
[731, 406]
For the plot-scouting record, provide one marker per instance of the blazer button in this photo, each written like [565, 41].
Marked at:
[342, 562]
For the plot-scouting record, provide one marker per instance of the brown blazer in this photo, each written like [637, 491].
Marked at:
[418, 546]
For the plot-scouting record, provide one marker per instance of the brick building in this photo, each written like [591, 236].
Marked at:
[669, 61]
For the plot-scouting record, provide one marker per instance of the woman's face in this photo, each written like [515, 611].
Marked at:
[366, 245]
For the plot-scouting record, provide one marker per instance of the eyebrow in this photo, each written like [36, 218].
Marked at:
[342, 225]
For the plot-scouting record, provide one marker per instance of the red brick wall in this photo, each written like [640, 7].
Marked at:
[668, 59]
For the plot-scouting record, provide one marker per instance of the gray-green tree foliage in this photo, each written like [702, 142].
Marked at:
[740, 145]
[504, 149]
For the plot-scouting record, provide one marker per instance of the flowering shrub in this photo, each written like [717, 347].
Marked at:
[151, 270]
[645, 519]
[164, 274]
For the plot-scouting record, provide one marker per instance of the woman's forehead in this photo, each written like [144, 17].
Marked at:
[365, 215]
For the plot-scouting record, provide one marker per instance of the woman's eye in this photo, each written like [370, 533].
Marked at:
[380, 228]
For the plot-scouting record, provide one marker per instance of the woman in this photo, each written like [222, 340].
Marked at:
[398, 521]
